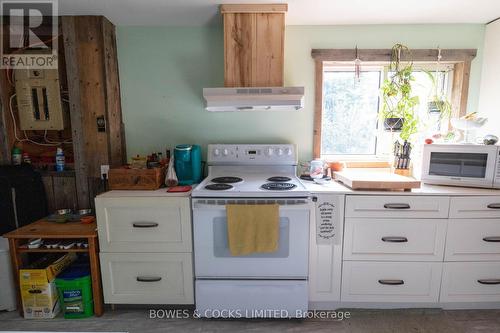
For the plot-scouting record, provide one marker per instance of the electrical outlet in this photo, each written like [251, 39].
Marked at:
[104, 171]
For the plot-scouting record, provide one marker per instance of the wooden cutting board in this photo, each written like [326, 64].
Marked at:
[375, 180]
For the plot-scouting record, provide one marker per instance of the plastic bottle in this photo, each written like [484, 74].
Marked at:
[26, 158]
[60, 161]
[17, 156]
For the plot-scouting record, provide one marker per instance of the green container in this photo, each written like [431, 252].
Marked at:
[74, 287]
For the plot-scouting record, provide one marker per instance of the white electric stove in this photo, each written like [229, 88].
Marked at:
[269, 285]
[251, 171]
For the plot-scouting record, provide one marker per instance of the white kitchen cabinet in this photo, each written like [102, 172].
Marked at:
[325, 255]
[394, 239]
[410, 250]
[471, 282]
[152, 278]
[472, 255]
[473, 240]
[475, 207]
[396, 206]
[389, 282]
[144, 224]
[146, 247]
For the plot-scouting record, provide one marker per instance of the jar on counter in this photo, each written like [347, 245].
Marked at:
[317, 169]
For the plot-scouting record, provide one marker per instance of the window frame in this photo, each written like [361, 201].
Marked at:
[460, 59]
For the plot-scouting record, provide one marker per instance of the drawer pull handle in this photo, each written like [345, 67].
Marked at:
[494, 206]
[397, 206]
[493, 239]
[489, 281]
[391, 282]
[148, 278]
[394, 239]
[145, 224]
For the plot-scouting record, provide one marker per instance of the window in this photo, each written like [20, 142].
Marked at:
[350, 112]
[347, 125]
[351, 127]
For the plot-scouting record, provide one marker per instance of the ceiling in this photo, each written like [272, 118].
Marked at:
[300, 12]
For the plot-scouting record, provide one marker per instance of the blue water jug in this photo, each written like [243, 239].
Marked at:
[187, 162]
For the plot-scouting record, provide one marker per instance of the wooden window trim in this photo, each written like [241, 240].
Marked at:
[461, 58]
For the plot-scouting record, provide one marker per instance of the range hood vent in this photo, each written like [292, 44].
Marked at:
[254, 99]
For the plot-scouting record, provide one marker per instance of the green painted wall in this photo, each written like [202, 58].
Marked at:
[163, 71]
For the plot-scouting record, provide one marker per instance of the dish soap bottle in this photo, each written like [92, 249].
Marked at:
[60, 161]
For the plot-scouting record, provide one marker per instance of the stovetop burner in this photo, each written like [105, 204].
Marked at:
[278, 186]
[279, 179]
[226, 180]
[218, 187]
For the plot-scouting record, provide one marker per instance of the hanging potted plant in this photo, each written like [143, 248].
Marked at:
[438, 103]
[398, 103]
[399, 107]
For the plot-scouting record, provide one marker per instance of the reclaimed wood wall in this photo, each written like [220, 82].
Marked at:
[89, 73]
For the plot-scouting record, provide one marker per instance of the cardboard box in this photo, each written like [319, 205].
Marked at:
[37, 285]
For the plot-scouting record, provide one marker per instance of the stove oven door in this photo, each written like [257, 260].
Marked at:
[211, 251]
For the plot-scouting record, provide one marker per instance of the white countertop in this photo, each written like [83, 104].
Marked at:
[333, 187]
[330, 187]
[162, 192]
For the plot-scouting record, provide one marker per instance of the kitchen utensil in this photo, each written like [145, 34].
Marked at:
[186, 188]
[375, 180]
[490, 139]
[309, 178]
[64, 211]
[83, 212]
[87, 219]
[66, 245]
[35, 243]
[321, 181]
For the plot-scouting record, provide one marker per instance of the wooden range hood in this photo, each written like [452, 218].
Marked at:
[254, 36]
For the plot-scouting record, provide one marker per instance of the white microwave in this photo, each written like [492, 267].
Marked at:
[461, 165]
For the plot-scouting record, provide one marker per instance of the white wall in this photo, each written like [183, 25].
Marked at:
[489, 95]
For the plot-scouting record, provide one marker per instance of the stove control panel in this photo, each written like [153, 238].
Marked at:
[259, 154]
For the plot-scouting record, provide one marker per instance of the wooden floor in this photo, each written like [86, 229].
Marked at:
[373, 321]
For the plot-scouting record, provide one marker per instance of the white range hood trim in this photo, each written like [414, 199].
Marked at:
[254, 99]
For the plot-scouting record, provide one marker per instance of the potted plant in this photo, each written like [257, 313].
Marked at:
[398, 103]
[439, 103]
[399, 107]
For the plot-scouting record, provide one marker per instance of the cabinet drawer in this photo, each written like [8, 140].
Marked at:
[473, 240]
[394, 206]
[147, 278]
[471, 282]
[390, 282]
[467, 207]
[144, 224]
[394, 239]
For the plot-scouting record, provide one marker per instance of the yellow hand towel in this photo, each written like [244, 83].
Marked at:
[252, 228]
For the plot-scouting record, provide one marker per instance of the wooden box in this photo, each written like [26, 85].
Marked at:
[136, 179]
